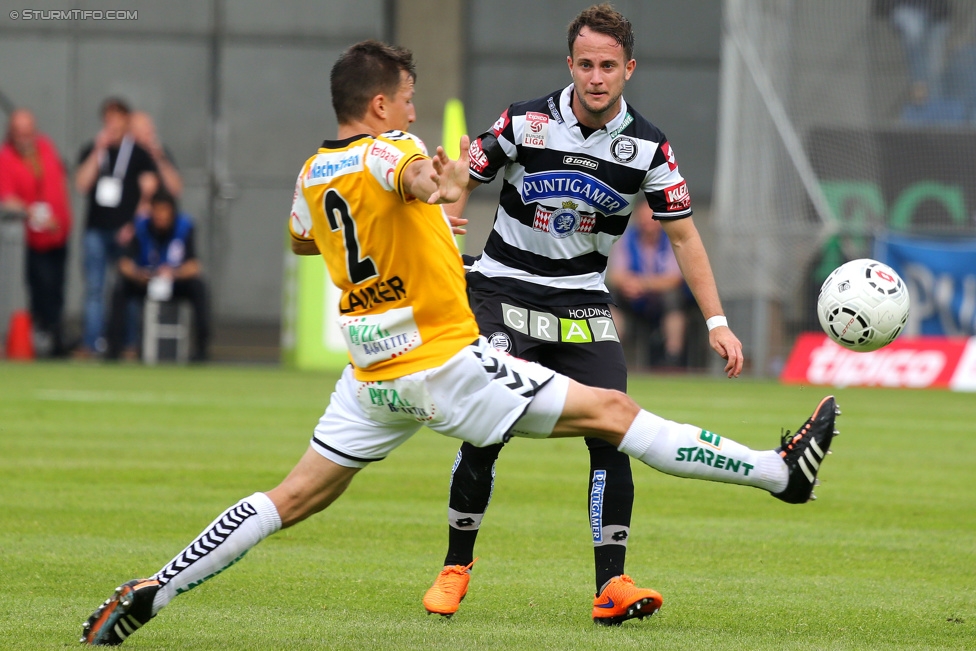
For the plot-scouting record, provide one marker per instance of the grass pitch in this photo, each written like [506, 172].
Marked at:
[106, 472]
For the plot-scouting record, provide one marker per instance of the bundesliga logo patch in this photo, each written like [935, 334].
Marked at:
[536, 130]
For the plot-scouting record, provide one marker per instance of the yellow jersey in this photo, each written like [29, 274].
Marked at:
[404, 305]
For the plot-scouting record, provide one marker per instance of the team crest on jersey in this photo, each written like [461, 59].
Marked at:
[543, 221]
[623, 149]
[500, 341]
[536, 130]
[564, 221]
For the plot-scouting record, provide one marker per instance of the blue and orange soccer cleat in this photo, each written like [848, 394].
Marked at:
[806, 450]
[122, 614]
[621, 600]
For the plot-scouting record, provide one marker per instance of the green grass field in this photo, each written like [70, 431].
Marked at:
[107, 471]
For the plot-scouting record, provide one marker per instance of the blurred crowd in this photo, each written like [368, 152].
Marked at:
[135, 240]
[941, 69]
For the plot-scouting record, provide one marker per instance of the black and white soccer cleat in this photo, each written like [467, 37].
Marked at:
[122, 614]
[805, 451]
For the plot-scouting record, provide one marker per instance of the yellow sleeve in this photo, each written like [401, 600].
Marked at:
[389, 156]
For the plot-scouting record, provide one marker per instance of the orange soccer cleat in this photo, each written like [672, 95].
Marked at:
[450, 586]
[621, 600]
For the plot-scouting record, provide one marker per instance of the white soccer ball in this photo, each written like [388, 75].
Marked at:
[863, 305]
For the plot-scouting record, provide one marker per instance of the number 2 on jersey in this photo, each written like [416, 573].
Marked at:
[360, 269]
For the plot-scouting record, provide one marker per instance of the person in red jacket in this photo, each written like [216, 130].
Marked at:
[33, 182]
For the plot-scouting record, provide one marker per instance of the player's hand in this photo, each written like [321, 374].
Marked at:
[725, 343]
[451, 176]
[457, 224]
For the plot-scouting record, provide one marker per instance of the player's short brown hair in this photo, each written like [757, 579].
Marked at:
[604, 19]
[365, 70]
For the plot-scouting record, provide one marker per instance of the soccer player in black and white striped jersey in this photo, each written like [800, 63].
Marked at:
[574, 164]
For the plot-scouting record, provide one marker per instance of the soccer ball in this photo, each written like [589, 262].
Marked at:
[863, 305]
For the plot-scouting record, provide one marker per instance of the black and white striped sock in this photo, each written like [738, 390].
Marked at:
[222, 543]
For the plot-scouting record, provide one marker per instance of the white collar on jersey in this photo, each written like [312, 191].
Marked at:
[566, 109]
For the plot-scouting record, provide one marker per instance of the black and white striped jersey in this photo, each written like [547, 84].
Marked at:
[566, 198]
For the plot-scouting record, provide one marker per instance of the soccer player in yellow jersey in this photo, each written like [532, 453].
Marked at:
[367, 202]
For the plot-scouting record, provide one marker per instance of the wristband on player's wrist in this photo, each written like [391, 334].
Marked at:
[716, 321]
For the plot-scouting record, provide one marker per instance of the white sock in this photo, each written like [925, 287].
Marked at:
[221, 544]
[689, 451]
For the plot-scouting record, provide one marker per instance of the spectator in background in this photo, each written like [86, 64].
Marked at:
[33, 182]
[644, 275]
[143, 130]
[923, 26]
[114, 172]
[163, 252]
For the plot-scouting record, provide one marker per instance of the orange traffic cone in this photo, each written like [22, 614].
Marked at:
[19, 343]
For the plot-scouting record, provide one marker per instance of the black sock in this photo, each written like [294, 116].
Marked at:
[472, 482]
[611, 500]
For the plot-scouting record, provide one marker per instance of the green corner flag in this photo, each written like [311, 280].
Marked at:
[454, 127]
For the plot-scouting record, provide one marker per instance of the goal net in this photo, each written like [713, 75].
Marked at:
[841, 123]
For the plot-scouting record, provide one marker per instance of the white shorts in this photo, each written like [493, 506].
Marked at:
[481, 395]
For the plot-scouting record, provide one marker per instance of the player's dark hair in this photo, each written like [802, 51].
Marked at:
[365, 70]
[604, 19]
[116, 104]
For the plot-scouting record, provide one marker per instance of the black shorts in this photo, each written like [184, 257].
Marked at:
[579, 341]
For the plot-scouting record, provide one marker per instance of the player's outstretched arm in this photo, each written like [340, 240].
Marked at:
[693, 260]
